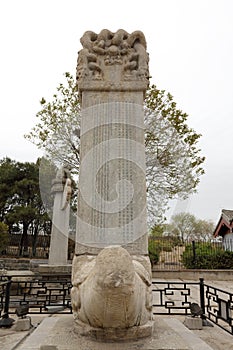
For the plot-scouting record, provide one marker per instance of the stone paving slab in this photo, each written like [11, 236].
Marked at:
[47, 329]
[57, 330]
[9, 338]
[188, 336]
[169, 334]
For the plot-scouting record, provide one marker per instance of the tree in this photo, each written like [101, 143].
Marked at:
[182, 225]
[187, 227]
[57, 132]
[8, 176]
[157, 230]
[204, 230]
[4, 236]
[174, 164]
[20, 201]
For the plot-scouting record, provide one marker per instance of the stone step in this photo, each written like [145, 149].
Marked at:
[189, 338]
[57, 332]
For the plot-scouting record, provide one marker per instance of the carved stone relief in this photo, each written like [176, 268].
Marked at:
[106, 49]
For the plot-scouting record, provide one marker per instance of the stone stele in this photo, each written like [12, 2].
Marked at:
[111, 272]
[61, 189]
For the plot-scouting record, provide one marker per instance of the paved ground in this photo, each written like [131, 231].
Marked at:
[170, 333]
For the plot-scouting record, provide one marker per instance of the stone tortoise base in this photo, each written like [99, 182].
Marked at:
[114, 334]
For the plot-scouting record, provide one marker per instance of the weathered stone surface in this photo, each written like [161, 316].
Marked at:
[111, 273]
[22, 324]
[45, 269]
[193, 322]
[112, 187]
[135, 248]
[114, 334]
[48, 347]
[112, 291]
[169, 333]
[60, 223]
[112, 77]
[112, 61]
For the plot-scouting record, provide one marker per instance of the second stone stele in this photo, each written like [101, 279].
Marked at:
[111, 272]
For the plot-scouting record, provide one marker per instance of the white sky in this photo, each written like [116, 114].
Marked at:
[190, 43]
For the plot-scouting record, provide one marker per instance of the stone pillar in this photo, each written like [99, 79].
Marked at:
[112, 77]
[61, 188]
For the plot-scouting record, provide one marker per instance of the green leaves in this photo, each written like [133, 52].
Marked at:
[207, 256]
[58, 119]
[174, 163]
[42, 101]
[187, 227]
[4, 236]
[20, 202]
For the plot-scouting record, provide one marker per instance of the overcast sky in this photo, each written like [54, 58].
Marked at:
[190, 43]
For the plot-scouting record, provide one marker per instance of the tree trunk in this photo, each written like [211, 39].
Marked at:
[34, 240]
[23, 249]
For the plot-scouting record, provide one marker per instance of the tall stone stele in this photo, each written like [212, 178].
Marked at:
[61, 189]
[111, 272]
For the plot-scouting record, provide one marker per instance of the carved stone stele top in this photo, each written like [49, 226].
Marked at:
[113, 61]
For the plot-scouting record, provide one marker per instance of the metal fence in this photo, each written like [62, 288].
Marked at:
[37, 247]
[174, 298]
[169, 251]
[41, 295]
[219, 306]
[40, 250]
[5, 290]
[172, 254]
[51, 294]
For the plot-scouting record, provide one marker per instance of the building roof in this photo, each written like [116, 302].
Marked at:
[227, 214]
[225, 223]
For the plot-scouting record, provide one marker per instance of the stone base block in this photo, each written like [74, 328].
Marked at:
[114, 334]
[44, 269]
[48, 347]
[22, 324]
[193, 322]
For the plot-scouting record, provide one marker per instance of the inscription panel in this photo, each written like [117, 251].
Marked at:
[112, 187]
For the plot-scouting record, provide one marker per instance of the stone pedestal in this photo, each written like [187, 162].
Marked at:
[22, 324]
[111, 271]
[193, 322]
[45, 269]
[114, 334]
[112, 294]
